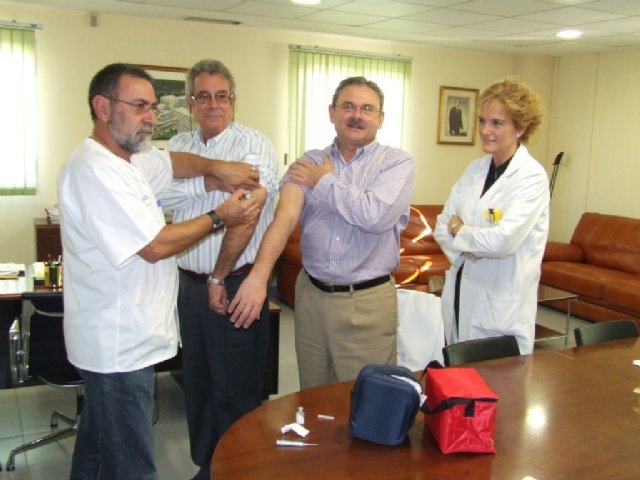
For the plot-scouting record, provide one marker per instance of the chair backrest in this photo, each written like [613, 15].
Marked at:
[47, 354]
[480, 349]
[605, 331]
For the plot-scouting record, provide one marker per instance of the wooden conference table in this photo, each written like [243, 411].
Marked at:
[561, 414]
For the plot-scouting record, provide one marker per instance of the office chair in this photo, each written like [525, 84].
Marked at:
[605, 331]
[480, 349]
[44, 356]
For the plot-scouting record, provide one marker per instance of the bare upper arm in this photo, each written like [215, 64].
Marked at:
[289, 207]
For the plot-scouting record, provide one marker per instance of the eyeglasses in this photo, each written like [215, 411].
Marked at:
[366, 109]
[204, 98]
[140, 107]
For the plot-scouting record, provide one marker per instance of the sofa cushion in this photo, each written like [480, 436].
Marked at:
[580, 278]
[417, 237]
[418, 268]
[609, 241]
[562, 252]
[623, 294]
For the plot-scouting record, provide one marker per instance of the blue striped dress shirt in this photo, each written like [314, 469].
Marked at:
[188, 198]
[352, 219]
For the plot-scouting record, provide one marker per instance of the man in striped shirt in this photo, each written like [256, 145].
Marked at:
[223, 365]
[352, 201]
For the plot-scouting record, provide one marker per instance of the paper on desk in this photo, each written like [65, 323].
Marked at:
[11, 270]
[296, 427]
[636, 363]
[38, 271]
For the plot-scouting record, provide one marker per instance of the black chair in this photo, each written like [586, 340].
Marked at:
[44, 357]
[605, 331]
[480, 349]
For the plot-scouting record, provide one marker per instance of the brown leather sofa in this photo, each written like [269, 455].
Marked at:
[422, 263]
[601, 264]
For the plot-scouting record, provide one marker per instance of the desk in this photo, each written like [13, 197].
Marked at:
[11, 290]
[561, 414]
[10, 307]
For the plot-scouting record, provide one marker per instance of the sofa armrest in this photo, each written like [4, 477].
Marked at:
[562, 252]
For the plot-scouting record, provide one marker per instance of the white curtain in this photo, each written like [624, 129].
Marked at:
[18, 117]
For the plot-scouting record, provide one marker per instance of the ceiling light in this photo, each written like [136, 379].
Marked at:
[306, 2]
[569, 34]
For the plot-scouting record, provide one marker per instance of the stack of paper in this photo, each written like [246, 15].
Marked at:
[10, 271]
[53, 214]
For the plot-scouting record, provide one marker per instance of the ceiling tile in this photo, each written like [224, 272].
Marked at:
[571, 16]
[384, 8]
[453, 17]
[504, 8]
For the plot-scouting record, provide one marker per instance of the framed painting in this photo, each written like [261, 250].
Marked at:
[457, 118]
[173, 111]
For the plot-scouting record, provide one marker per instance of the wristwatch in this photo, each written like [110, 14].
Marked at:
[217, 223]
[215, 281]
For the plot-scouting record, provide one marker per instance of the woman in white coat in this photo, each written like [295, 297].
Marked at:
[494, 225]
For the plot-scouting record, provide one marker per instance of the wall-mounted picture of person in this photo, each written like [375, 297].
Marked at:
[457, 116]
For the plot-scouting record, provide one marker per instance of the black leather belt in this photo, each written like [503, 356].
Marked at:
[246, 268]
[330, 288]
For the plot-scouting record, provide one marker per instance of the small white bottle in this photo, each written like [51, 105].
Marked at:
[300, 416]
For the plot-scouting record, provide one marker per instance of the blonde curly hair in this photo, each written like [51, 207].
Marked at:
[522, 104]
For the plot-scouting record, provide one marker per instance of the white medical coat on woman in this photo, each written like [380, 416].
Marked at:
[506, 229]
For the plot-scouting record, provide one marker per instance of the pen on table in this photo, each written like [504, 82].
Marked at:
[293, 443]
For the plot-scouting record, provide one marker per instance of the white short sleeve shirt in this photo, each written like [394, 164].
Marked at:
[120, 310]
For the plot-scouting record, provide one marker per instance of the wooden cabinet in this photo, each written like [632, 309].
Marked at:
[48, 242]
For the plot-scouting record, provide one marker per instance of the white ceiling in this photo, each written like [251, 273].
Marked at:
[514, 26]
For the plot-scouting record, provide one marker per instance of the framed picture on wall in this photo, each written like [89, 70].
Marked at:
[457, 118]
[173, 111]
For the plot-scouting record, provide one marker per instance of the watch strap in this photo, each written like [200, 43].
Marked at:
[211, 280]
[217, 225]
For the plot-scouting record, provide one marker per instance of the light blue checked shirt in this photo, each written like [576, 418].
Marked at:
[352, 219]
[188, 198]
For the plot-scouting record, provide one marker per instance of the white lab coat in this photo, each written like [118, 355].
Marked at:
[498, 291]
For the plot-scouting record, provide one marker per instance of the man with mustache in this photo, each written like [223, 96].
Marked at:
[121, 280]
[352, 201]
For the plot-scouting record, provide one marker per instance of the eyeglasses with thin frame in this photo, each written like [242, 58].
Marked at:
[222, 97]
[366, 109]
[140, 107]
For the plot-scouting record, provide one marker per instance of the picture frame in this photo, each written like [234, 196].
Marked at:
[458, 128]
[173, 115]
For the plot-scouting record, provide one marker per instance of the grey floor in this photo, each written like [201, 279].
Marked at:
[24, 414]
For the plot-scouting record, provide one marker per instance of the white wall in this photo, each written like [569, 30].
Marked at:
[70, 52]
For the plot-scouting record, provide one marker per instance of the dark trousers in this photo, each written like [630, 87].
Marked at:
[223, 366]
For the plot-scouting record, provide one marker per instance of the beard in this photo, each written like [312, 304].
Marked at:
[131, 143]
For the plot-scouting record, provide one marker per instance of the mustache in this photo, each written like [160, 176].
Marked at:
[355, 122]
